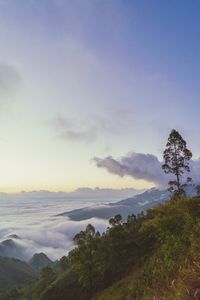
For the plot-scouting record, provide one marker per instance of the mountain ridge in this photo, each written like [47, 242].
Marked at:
[123, 207]
[132, 205]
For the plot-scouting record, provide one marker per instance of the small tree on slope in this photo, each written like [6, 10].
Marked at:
[176, 161]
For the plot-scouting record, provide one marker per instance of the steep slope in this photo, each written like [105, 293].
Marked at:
[14, 272]
[172, 271]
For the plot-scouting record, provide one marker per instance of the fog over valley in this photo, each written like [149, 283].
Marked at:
[29, 221]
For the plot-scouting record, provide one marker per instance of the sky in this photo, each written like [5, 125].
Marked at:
[86, 85]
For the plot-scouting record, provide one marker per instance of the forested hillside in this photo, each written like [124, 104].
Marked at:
[150, 256]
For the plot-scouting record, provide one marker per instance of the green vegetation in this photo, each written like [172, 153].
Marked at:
[176, 161]
[150, 256]
[173, 269]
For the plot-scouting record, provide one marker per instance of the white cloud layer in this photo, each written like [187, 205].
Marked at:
[53, 237]
[32, 216]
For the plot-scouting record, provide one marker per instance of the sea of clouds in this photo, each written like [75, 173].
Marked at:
[33, 218]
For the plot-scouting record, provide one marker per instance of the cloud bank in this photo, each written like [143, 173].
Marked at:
[53, 237]
[136, 165]
[143, 166]
[33, 217]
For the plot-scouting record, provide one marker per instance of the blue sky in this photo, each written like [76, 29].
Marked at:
[84, 79]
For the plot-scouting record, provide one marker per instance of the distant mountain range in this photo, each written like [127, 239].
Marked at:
[125, 207]
[135, 205]
[84, 192]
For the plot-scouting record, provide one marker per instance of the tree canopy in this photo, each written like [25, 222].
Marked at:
[176, 161]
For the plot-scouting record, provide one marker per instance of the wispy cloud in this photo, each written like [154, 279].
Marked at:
[9, 78]
[87, 129]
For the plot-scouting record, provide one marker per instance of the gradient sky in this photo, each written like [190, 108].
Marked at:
[91, 78]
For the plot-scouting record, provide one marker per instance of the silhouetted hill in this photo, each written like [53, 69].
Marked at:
[135, 204]
[40, 260]
[125, 207]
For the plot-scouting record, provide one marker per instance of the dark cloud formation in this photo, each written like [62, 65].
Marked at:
[144, 166]
[82, 130]
[137, 165]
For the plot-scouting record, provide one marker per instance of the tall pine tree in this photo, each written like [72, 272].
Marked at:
[176, 161]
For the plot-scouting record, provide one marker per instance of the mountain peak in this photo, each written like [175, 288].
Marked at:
[40, 260]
